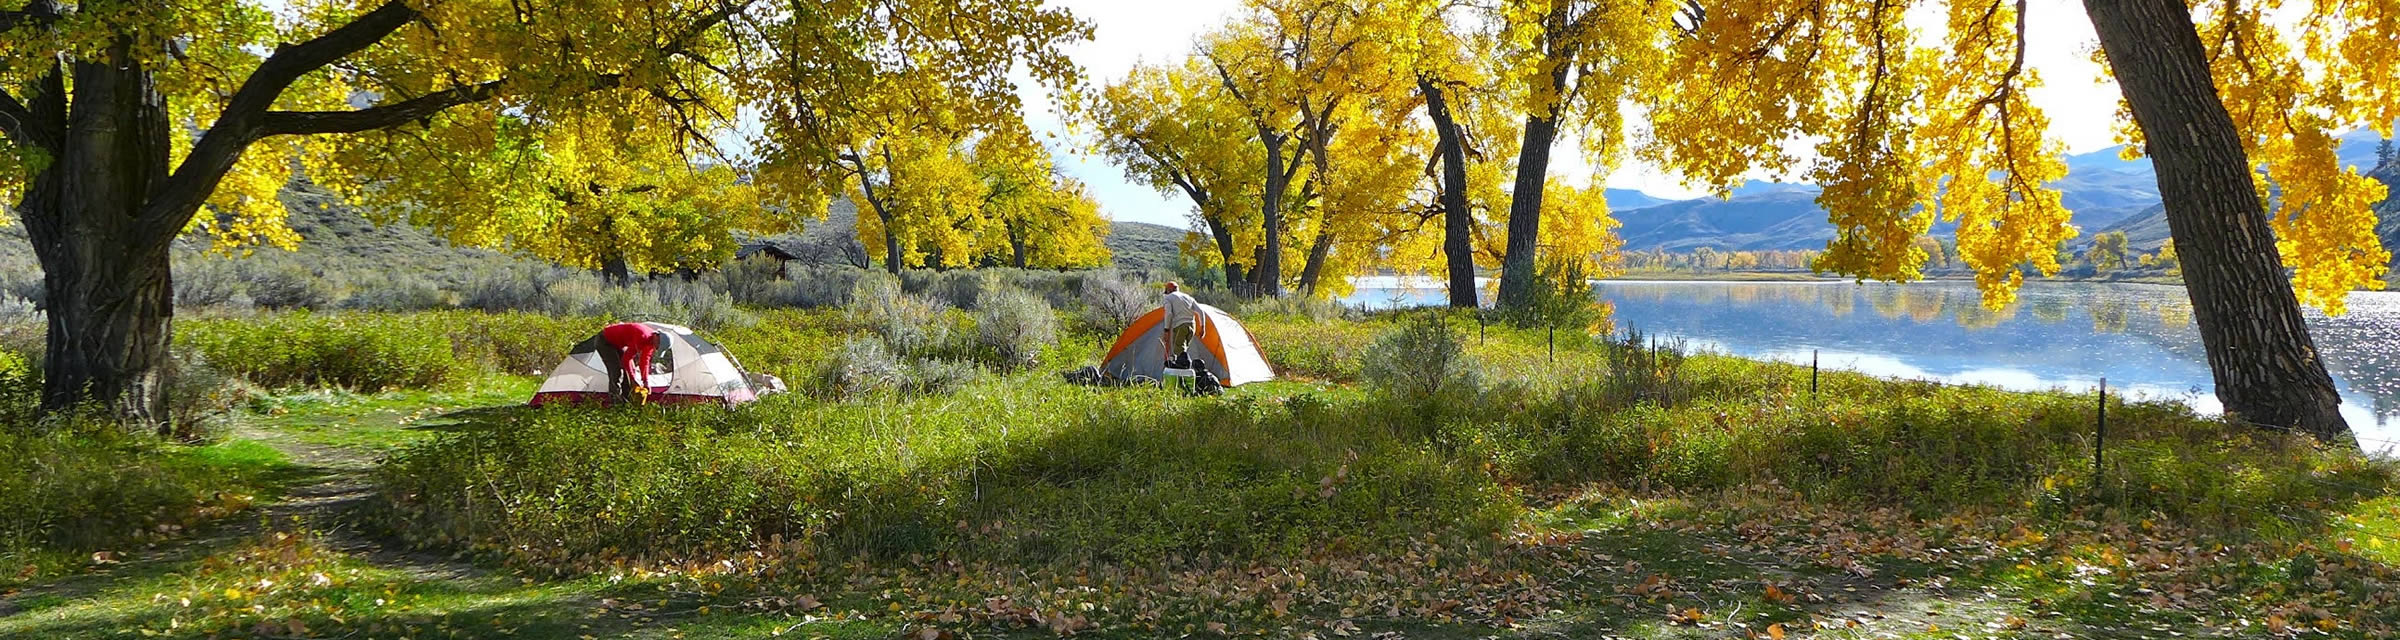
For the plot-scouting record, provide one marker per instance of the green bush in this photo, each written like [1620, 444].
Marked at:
[404, 292]
[286, 284]
[1111, 301]
[911, 325]
[20, 389]
[863, 366]
[1421, 361]
[362, 351]
[208, 281]
[1014, 326]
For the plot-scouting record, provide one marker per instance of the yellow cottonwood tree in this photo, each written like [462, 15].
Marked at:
[1036, 217]
[2226, 97]
[587, 188]
[1175, 129]
[188, 104]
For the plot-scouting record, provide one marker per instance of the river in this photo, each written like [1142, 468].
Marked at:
[2056, 336]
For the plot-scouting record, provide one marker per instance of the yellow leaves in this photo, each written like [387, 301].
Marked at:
[1906, 133]
[2288, 87]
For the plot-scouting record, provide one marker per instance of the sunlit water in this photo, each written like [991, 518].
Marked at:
[2057, 335]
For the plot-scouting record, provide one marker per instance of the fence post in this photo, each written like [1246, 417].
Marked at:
[2100, 435]
[1553, 344]
[1812, 373]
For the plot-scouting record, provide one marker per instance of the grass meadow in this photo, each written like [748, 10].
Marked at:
[363, 474]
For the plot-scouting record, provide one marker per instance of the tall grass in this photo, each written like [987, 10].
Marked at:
[1038, 471]
[1024, 468]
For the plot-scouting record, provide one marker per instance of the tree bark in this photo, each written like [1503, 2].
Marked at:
[1315, 267]
[1224, 240]
[1016, 245]
[1269, 271]
[109, 295]
[2266, 366]
[1525, 213]
[615, 272]
[1457, 250]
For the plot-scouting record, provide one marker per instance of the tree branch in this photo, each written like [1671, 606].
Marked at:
[12, 19]
[276, 123]
[19, 125]
[240, 123]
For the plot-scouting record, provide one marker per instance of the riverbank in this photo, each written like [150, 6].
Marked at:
[1606, 490]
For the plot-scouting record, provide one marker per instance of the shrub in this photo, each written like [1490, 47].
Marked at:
[21, 280]
[815, 287]
[279, 284]
[696, 305]
[1302, 307]
[198, 394]
[756, 281]
[15, 310]
[862, 366]
[911, 325]
[1423, 360]
[401, 292]
[961, 289]
[20, 390]
[1111, 301]
[507, 288]
[1641, 368]
[934, 376]
[355, 350]
[1014, 326]
[205, 281]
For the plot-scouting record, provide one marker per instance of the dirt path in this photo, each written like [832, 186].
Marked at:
[332, 506]
[326, 492]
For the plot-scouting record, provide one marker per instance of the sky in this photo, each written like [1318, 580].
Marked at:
[2081, 107]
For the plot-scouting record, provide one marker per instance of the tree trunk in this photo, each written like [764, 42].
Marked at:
[891, 243]
[1269, 271]
[1016, 245]
[2266, 366]
[1224, 239]
[1457, 250]
[1525, 213]
[614, 270]
[1316, 261]
[109, 294]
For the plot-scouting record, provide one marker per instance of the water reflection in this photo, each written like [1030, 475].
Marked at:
[2065, 335]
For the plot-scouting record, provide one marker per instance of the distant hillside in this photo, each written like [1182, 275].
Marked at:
[333, 235]
[338, 237]
[1623, 199]
[2147, 228]
[2106, 192]
[1134, 245]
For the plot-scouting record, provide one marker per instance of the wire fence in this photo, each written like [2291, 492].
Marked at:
[2101, 478]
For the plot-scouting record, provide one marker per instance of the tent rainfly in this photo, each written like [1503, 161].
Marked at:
[1218, 342]
[687, 369]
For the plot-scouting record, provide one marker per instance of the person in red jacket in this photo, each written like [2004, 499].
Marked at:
[634, 343]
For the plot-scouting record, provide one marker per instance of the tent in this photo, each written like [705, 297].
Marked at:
[687, 369]
[1218, 342]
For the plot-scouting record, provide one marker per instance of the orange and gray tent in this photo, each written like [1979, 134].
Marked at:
[686, 369]
[1218, 342]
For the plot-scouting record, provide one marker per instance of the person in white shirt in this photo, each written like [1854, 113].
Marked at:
[1182, 316]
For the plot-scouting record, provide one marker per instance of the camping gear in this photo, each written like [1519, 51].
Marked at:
[687, 369]
[1220, 345]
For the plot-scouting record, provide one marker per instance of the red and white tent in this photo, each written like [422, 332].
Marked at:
[686, 369]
